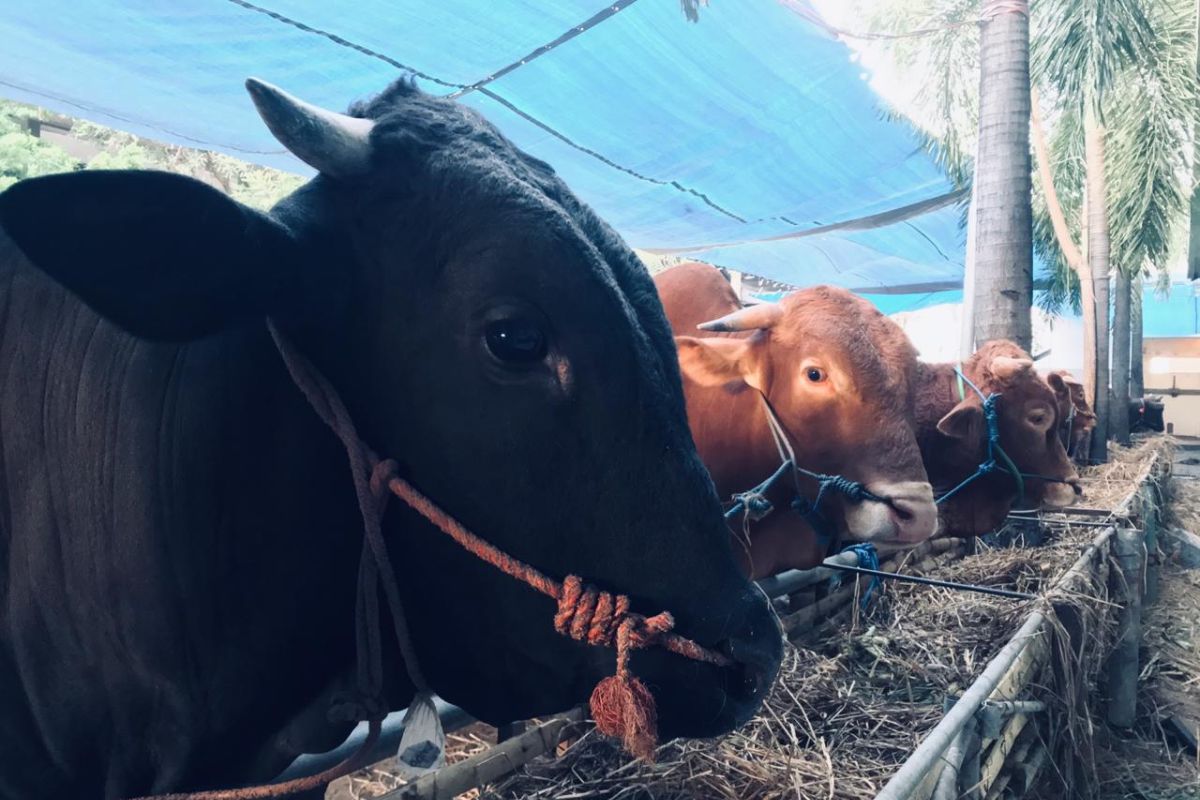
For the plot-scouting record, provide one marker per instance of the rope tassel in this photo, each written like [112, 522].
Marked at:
[624, 709]
[621, 705]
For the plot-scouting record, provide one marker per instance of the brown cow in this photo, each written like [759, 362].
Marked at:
[839, 376]
[952, 433]
[1075, 416]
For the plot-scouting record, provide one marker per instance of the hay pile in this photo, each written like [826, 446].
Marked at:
[1107, 485]
[850, 705]
[854, 700]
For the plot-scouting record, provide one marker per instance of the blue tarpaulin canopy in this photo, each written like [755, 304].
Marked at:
[710, 139]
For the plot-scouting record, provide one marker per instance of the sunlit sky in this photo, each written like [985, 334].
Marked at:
[872, 56]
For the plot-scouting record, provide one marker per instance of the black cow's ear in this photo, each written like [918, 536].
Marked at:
[163, 256]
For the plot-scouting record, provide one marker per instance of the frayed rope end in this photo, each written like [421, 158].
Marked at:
[624, 709]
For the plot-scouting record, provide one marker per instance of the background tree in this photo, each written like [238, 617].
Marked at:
[24, 155]
[1133, 64]
[1003, 263]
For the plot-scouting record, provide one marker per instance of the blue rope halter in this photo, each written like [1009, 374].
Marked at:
[755, 505]
[996, 459]
[868, 558]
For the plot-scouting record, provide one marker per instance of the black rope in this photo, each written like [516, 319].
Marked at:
[571, 33]
[338, 40]
[961, 587]
[481, 87]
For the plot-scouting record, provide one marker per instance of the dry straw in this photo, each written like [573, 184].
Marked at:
[854, 698]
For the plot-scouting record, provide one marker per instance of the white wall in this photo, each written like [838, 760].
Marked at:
[934, 332]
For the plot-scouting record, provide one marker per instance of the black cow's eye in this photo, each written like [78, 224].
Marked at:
[516, 340]
[815, 374]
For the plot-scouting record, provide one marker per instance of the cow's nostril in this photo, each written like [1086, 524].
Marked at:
[902, 511]
[754, 665]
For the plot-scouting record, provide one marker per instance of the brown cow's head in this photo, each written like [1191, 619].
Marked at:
[1028, 410]
[1075, 417]
[840, 377]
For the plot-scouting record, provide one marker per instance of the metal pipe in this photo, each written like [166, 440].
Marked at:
[913, 771]
[452, 718]
[961, 587]
[796, 579]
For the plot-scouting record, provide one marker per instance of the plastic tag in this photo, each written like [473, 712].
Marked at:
[423, 743]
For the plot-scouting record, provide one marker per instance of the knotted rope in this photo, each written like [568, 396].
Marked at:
[868, 558]
[621, 705]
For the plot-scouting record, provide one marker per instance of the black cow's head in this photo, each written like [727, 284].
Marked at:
[1146, 414]
[485, 329]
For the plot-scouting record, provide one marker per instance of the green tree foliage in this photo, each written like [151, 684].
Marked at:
[1138, 54]
[23, 155]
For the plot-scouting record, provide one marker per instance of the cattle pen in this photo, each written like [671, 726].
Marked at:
[919, 692]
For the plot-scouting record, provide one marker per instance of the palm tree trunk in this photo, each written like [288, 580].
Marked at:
[1119, 410]
[1004, 227]
[1075, 257]
[1193, 261]
[1097, 254]
[1137, 381]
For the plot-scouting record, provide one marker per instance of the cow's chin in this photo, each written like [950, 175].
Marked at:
[1059, 495]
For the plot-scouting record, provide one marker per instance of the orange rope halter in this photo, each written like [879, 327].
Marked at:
[621, 705]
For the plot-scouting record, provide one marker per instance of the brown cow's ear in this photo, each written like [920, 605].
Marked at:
[965, 421]
[1061, 390]
[717, 361]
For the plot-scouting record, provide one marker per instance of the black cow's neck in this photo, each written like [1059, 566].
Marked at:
[186, 518]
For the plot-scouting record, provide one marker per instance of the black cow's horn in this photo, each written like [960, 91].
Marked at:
[333, 144]
[764, 315]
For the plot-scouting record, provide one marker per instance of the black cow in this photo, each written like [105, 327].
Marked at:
[179, 540]
[1146, 414]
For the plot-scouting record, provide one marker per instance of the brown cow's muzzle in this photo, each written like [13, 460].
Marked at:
[1061, 495]
[910, 518]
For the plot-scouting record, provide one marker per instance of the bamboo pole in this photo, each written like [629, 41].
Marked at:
[1000, 750]
[1123, 665]
[493, 763]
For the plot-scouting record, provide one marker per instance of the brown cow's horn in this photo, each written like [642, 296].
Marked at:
[752, 318]
[333, 144]
[1005, 367]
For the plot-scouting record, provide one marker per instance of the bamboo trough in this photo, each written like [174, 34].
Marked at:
[995, 736]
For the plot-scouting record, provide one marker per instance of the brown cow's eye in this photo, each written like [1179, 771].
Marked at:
[516, 340]
[815, 374]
